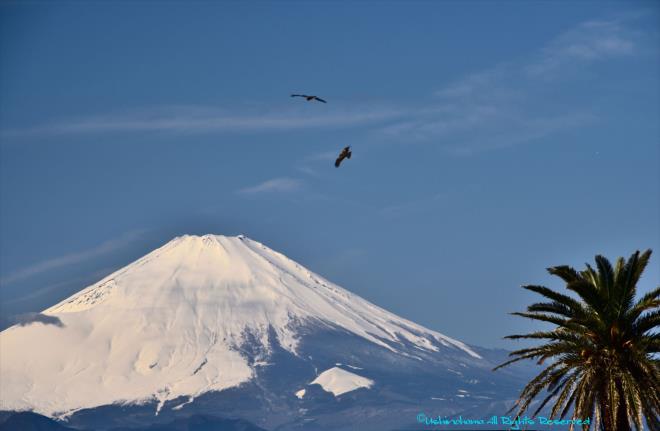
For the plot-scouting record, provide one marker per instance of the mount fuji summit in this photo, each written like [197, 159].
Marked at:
[225, 326]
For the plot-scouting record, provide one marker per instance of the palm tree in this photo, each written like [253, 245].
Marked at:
[603, 349]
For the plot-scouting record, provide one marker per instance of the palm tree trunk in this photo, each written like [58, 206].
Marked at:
[622, 422]
[605, 418]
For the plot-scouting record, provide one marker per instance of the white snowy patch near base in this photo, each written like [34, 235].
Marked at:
[171, 325]
[340, 381]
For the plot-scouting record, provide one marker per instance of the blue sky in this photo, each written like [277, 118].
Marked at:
[490, 141]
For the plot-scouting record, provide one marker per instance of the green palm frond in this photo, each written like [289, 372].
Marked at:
[566, 300]
[551, 307]
[566, 273]
[649, 301]
[647, 322]
[545, 318]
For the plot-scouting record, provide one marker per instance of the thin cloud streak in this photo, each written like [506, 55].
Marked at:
[498, 107]
[192, 119]
[72, 258]
[62, 285]
[274, 185]
[532, 130]
[588, 42]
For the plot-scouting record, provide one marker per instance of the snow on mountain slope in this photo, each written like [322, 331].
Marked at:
[339, 381]
[171, 324]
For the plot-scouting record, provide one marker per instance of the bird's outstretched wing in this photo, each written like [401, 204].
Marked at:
[320, 100]
[339, 160]
[298, 95]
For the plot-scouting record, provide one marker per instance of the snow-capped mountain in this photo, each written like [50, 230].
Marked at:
[203, 320]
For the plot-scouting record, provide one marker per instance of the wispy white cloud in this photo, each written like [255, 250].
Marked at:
[473, 83]
[61, 286]
[575, 48]
[72, 258]
[507, 105]
[308, 170]
[527, 130]
[588, 42]
[483, 126]
[274, 185]
[196, 119]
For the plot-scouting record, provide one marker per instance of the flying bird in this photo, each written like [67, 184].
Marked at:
[345, 154]
[309, 98]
